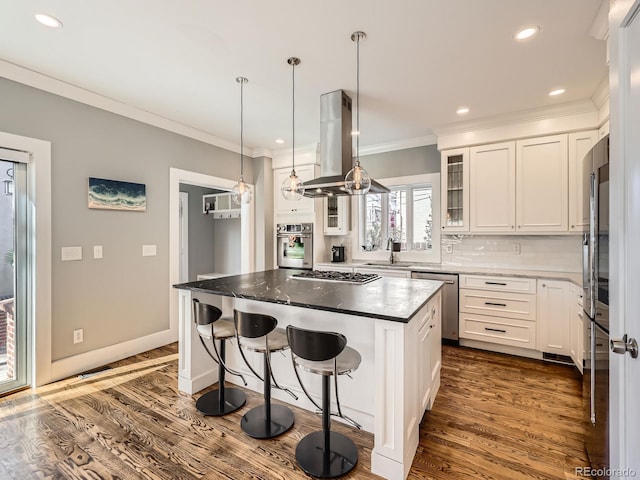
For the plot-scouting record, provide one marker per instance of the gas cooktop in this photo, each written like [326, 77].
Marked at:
[331, 276]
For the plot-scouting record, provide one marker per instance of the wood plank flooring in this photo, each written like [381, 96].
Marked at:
[496, 417]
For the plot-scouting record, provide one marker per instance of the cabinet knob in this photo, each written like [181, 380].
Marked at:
[573, 226]
[519, 226]
[511, 227]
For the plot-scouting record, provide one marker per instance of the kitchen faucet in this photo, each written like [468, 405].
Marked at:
[390, 247]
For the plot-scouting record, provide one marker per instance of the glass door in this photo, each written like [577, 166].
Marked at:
[13, 276]
[455, 190]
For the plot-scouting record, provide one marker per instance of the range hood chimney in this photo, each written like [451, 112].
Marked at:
[336, 157]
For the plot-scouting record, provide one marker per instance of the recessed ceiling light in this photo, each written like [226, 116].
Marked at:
[462, 110]
[557, 91]
[527, 32]
[279, 140]
[48, 20]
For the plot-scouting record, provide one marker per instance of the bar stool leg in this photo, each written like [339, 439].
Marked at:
[267, 421]
[223, 400]
[326, 454]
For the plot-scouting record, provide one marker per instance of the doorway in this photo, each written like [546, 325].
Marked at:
[14, 328]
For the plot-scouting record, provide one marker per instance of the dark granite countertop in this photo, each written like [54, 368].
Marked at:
[395, 299]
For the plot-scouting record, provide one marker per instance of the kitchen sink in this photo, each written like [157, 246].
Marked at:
[387, 264]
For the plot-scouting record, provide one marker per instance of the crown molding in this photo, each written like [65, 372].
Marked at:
[49, 84]
[601, 95]
[533, 115]
[600, 26]
[563, 118]
[399, 145]
[261, 152]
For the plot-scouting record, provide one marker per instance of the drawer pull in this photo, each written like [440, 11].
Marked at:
[496, 283]
[494, 330]
[496, 304]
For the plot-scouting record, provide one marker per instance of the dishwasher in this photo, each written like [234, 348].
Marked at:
[449, 303]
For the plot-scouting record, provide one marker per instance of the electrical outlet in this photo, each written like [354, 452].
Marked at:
[516, 248]
[448, 248]
[78, 335]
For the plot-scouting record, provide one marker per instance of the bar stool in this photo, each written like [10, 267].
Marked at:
[258, 333]
[324, 454]
[211, 327]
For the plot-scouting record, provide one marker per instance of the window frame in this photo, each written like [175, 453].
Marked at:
[410, 182]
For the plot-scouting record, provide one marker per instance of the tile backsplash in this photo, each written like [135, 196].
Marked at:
[562, 253]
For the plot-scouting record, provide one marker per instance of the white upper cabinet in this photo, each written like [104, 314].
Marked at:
[542, 171]
[455, 190]
[298, 210]
[492, 188]
[579, 144]
[337, 215]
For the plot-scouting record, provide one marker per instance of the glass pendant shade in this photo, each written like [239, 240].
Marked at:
[357, 181]
[292, 187]
[241, 193]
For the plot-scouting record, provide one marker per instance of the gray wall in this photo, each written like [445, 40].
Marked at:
[263, 175]
[401, 163]
[201, 230]
[226, 245]
[124, 295]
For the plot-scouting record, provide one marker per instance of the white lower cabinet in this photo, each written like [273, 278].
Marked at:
[429, 353]
[554, 305]
[500, 310]
[424, 360]
[435, 346]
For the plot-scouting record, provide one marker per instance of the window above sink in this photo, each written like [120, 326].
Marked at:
[409, 214]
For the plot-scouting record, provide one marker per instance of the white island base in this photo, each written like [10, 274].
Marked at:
[388, 394]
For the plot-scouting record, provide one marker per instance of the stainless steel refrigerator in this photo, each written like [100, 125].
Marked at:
[595, 386]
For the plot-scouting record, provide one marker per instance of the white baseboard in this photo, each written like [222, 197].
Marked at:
[66, 367]
[494, 347]
[199, 383]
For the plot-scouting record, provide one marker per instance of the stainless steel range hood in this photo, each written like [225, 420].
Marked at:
[336, 157]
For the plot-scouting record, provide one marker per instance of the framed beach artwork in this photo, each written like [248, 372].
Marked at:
[117, 195]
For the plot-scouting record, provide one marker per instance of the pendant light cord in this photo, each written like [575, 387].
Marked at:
[358, 100]
[293, 117]
[241, 131]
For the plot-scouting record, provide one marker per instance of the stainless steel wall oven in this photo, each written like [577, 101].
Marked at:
[294, 243]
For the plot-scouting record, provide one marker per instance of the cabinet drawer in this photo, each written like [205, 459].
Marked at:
[501, 304]
[502, 284]
[505, 331]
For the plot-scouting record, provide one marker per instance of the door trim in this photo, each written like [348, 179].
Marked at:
[39, 223]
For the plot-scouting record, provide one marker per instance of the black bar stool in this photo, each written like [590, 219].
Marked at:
[211, 327]
[324, 454]
[258, 333]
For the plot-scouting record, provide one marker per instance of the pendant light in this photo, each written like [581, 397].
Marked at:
[241, 190]
[292, 187]
[357, 180]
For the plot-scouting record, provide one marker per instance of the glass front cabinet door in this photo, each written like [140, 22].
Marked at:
[455, 190]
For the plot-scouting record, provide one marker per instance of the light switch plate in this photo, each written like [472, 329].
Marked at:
[516, 248]
[149, 250]
[70, 253]
[97, 251]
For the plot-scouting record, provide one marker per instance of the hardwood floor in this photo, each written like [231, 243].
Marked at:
[496, 417]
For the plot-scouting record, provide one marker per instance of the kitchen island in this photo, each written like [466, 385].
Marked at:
[394, 323]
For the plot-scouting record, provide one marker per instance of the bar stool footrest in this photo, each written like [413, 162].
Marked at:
[209, 403]
[254, 423]
[314, 461]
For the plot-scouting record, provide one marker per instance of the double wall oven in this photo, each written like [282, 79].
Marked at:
[294, 244]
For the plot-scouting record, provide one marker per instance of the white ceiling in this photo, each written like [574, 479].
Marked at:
[421, 59]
